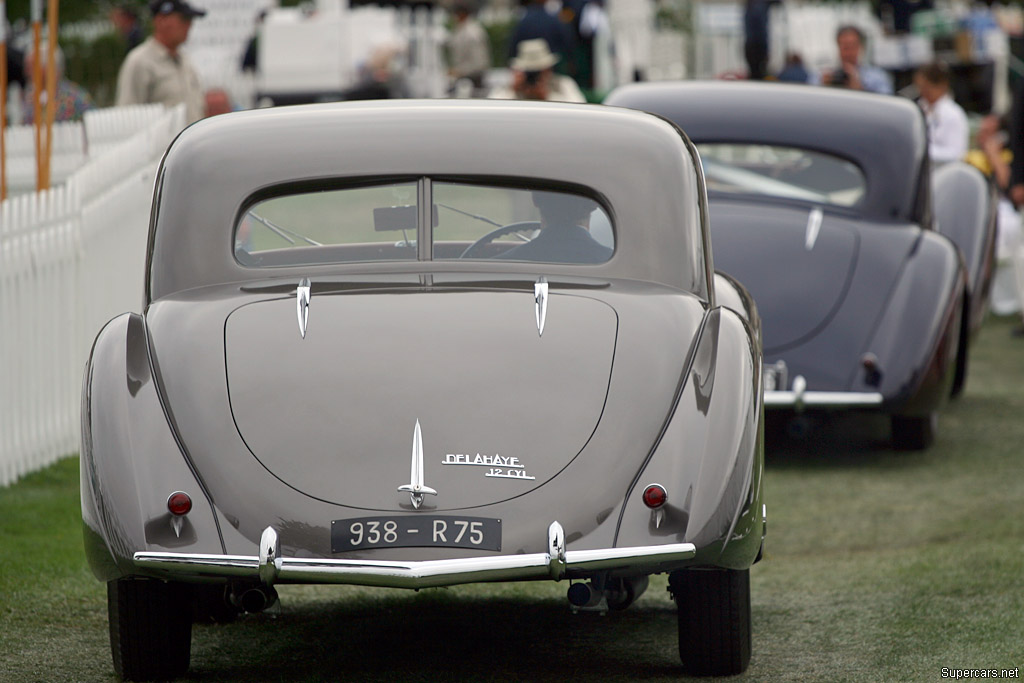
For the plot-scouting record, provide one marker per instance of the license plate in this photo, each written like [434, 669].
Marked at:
[415, 531]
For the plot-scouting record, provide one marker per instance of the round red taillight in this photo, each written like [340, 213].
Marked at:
[655, 496]
[179, 503]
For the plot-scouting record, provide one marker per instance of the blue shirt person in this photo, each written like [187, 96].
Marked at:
[538, 23]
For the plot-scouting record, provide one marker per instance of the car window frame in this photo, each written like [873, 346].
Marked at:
[424, 198]
[850, 209]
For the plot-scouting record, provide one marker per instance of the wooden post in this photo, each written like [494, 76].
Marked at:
[51, 88]
[37, 86]
[3, 100]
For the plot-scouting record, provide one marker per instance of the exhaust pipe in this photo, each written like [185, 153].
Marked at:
[585, 596]
[602, 594]
[254, 599]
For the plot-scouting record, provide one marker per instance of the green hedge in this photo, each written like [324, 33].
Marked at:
[94, 64]
[70, 10]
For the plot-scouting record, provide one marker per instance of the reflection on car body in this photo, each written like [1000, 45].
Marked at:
[349, 369]
[788, 172]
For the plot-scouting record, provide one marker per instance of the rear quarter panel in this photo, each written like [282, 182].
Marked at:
[130, 461]
[965, 212]
[916, 339]
[710, 456]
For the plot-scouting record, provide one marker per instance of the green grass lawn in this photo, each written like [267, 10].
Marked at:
[880, 566]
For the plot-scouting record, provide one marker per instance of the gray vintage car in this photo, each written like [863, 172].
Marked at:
[423, 344]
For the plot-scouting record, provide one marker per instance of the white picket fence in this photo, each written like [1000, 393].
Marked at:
[71, 258]
[68, 143]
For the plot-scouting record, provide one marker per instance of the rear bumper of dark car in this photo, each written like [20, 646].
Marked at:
[799, 399]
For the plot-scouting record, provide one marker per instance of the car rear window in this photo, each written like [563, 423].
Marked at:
[786, 172]
[384, 222]
[518, 224]
[308, 227]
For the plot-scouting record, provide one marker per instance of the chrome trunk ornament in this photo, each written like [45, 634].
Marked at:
[416, 488]
[813, 228]
[302, 296]
[540, 298]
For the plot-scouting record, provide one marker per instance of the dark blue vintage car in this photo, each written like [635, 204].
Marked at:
[870, 268]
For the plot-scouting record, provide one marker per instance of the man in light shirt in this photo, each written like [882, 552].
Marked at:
[948, 131]
[156, 71]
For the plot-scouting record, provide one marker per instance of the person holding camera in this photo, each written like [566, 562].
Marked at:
[851, 73]
[534, 77]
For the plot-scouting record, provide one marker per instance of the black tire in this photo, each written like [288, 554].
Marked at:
[960, 377]
[713, 606]
[150, 628]
[914, 433]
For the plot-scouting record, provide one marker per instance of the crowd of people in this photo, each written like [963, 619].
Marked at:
[998, 146]
[550, 56]
[155, 70]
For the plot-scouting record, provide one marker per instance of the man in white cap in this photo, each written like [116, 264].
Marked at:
[534, 77]
[156, 71]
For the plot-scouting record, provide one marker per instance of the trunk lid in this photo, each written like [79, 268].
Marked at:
[501, 408]
[798, 266]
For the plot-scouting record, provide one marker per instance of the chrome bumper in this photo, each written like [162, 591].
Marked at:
[799, 399]
[270, 568]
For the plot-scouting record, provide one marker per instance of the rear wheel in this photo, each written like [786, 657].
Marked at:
[960, 377]
[714, 620]
[914, 433]
[150, 628]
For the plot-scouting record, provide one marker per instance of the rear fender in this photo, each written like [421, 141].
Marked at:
[965, 212]
[916, 339]
[729, 293]
[710, 457]
[130, 460]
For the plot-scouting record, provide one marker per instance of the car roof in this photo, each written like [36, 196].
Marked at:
[642, 167]
[884, 135]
